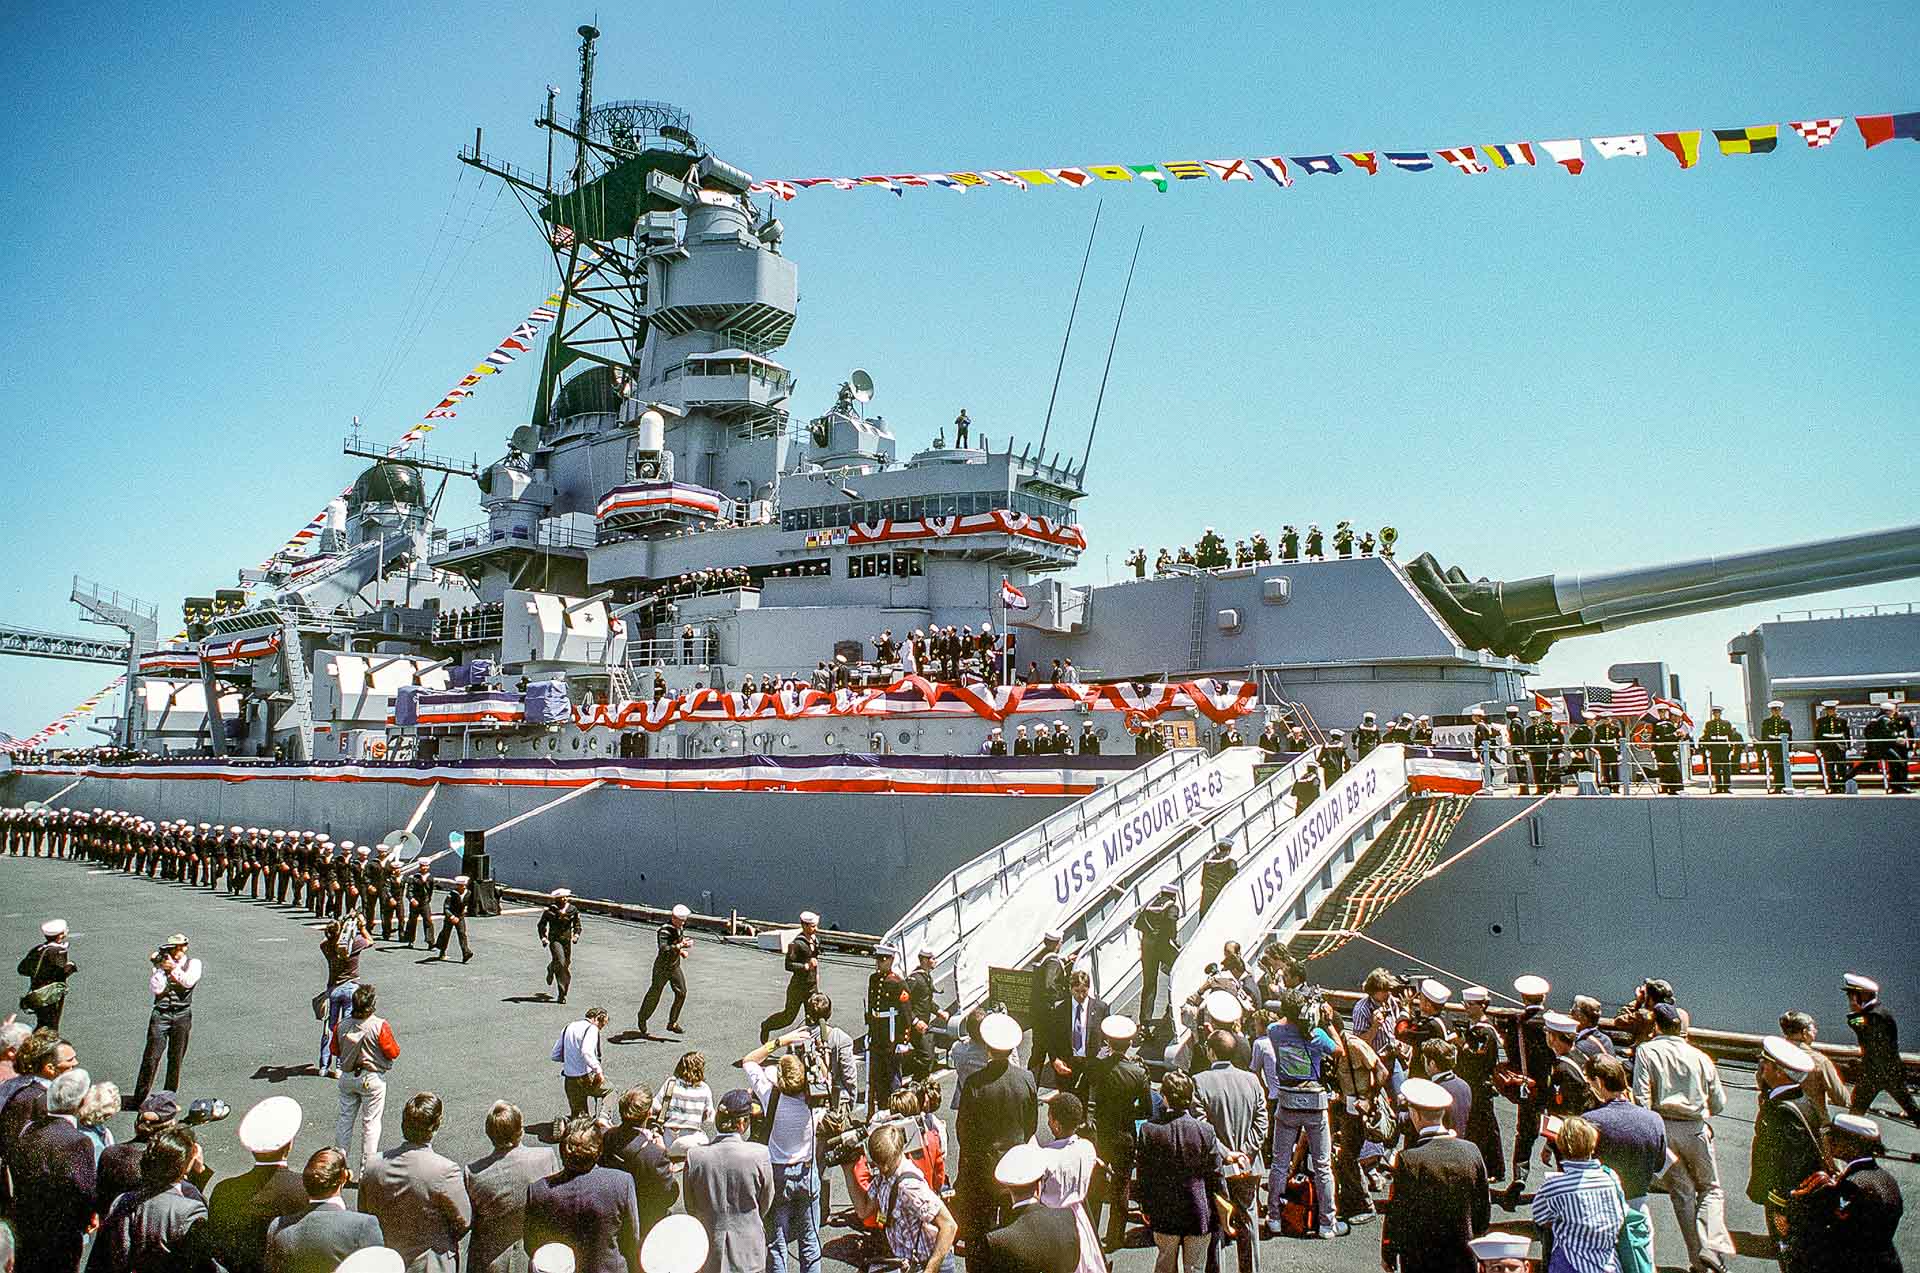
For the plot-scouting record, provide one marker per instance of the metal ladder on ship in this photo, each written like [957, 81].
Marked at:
[1269, 679]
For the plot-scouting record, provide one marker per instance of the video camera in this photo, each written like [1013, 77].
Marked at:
[207, 1109]
[850, 1142]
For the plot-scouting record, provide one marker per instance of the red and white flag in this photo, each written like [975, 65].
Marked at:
[1566, 154]
[1011, 597]
[1461, 157]
[1817, 132]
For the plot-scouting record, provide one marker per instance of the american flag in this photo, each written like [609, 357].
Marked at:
[1626, 700]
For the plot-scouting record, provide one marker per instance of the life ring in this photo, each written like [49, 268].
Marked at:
[377, 749]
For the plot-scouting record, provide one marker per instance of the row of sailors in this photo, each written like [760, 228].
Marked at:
[304, 869]
[1042, 741]
[1211, 553]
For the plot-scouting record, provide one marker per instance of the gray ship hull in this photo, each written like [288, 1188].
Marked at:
[859, 858]
[1750, 904]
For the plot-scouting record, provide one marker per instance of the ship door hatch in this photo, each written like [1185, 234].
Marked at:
[1666, 834]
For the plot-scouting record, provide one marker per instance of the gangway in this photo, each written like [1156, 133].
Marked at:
[1136, 815]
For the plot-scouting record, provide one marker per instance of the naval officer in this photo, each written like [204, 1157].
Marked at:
[1881, 1069]
[1439, 1199]
[674, 945]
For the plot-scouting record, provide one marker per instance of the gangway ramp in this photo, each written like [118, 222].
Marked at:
[1282, 886]
[989, 904]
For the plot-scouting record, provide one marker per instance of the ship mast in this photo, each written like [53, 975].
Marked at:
[550, 364]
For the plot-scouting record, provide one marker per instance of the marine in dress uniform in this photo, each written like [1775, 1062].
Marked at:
[559, 928]
[802, 962]
[1879, 1036]
[923, 1010]
[1831, 738]
[1543, 754]
[888, 1020]
[1786, 1149]
[1776, 745]
[672, 947]
[1667, 737]
[1608, 735]
[1721, 742]
[1844, 1221]
[1439, 1201]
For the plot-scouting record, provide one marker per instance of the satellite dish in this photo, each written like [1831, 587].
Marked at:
[862, 385]
[525, 439]
[404, 845]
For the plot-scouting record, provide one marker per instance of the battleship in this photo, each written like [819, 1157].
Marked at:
[667, 666]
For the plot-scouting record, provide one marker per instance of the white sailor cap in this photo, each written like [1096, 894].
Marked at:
[1774, 702]
[1053, 935]
[1866, 985]
[206, 826]
[1792, 1059]
[375, 1259]
[365, 850]
[1500, 1246]
[1118, 1029]
[1425, 1094]
[1830, 702]
[678, 1244]
[54, 928]
[1223, 1008]
[680, 911]
[1435, 991]
[346, 846]
[562, 894]
[1425, 717]
[1475, 994]
[1529, 984]
[1000, 1032]
[461, 879]
[808, 917]
[1020, 1166]
[1367, 716]
[270, 1125]
[1560, 1023]
[553, 1257]
[1857, 1125]
[1479, 711]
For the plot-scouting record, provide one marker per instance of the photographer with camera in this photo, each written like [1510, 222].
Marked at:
[341, 945]
[174, 976]
[919, 1229]
[788, 1122]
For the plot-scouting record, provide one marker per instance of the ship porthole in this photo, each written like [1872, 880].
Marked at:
[1496, 929]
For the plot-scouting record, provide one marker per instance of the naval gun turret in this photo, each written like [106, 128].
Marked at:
[1524, 617]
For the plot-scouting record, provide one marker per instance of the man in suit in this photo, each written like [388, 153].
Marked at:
[999, 1108]
[1234, 1103]
[317, 1239]
[802, 962]
[497, 1190]
[1078, 1033]
[634, 1149]
[1034, 1239]
[1117, 1082]
[729, 1189]
[161, 1227]
[1182, 1191]
[1439, 1201]
[1786, 1148]
[53, 1181]
[243, 1208]
[589, 1207]
[419, 1196]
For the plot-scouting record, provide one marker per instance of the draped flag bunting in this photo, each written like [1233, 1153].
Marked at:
[1752, 139]
[1684, 146]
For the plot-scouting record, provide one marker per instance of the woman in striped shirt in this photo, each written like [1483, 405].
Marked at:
[1580, 1208]
[686, 1102]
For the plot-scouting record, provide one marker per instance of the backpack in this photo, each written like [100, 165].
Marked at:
[1299, 1206]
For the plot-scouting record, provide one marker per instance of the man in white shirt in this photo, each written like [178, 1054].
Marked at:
[1085, 1012]
[578, 1051]
[174, 976]
[1680, 1083]
[781, 1092]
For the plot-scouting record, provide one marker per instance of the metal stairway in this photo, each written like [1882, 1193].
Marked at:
[1392, 867]
[302, 686]
[962, 909]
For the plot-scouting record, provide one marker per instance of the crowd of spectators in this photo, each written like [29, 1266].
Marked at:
[1210, 551]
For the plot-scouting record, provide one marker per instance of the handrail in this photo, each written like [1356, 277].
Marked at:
[1103, 945]
[928, 924]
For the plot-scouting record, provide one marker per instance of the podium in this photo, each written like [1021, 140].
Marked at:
[477, 865]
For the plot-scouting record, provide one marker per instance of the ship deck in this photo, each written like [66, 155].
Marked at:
[482, 1031]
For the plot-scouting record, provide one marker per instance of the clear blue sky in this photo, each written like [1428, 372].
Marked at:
[216, 218]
